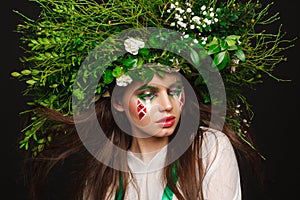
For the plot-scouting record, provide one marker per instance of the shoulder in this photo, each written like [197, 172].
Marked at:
[214, 140]
[215, 147]
[222, 179]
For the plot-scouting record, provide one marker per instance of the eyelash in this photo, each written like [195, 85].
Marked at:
[147, 95]
[175, 91]
[150, 95]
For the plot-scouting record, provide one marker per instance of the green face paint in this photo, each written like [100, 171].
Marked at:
[147, 92]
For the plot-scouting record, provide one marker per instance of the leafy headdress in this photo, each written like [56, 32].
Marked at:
[65, 32]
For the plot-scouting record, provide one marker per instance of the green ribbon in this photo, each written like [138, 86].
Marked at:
[167, 195]
[119, 196]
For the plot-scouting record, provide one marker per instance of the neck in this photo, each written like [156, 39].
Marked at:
[146, 148]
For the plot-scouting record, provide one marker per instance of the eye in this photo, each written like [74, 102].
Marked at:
[175, 91]
[147, 95]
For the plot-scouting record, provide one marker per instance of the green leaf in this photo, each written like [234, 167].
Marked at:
[241, 55]
[161, 73]
[26, 146]
[225, 61]
[213, 49]
[22, 145]
[134, 75]
[144, 51]
[219, 58]
[31, 82]
[41, 141]
[233, 37]
[108, 77]
[49, 138]
[140, 62]
[25, 72]
[195, 57]
[117, 72]
[230, 42]
[15, 74]
[199, 80]
[232, 48]
[164, 62]
[35, 137]
[154, 41]
[214, 41]
[130, 62]
[79, 94]
[223, 45]
[148, 74]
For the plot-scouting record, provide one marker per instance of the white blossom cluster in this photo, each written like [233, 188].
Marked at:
[132, 46]
[238, 112]
[123, 80]
[186, 20]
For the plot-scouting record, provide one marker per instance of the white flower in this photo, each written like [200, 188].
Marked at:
[212, 14]
[124, 80]
[132, 45]
[180, 23]
[172, 24]
[192, 26]
[196, 19]
[216, 19]
[211, 9]
[176, 3]
[196, 41]
[188, 4]
[172, 6]
[203, 7]
[204, 13]
[188, 10]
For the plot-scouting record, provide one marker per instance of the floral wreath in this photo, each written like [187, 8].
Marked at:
[66, 31]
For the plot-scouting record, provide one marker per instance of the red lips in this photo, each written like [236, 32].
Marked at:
[166, 121]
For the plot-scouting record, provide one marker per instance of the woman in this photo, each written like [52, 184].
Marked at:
[159, 142]
[153, 112]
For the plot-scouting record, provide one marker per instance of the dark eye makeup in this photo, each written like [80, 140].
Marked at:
[147, 92]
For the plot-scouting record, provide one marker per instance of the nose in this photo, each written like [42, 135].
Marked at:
[165, 102]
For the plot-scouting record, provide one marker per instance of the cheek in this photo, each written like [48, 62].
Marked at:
[141, 109]
[138, 109]
[180, 100]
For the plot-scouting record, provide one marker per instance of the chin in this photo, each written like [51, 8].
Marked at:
[166, 132]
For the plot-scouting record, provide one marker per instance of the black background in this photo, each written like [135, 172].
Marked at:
[275, 106]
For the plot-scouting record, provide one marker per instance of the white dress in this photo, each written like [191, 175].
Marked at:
[221, 182]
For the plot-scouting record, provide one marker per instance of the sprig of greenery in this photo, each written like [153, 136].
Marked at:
[65, 32]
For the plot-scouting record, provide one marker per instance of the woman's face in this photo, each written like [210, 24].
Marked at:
[153, 109]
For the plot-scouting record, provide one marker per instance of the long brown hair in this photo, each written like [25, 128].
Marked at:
[94, 180]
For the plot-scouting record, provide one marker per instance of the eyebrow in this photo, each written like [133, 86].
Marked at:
[144, 87]
[177, 83]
